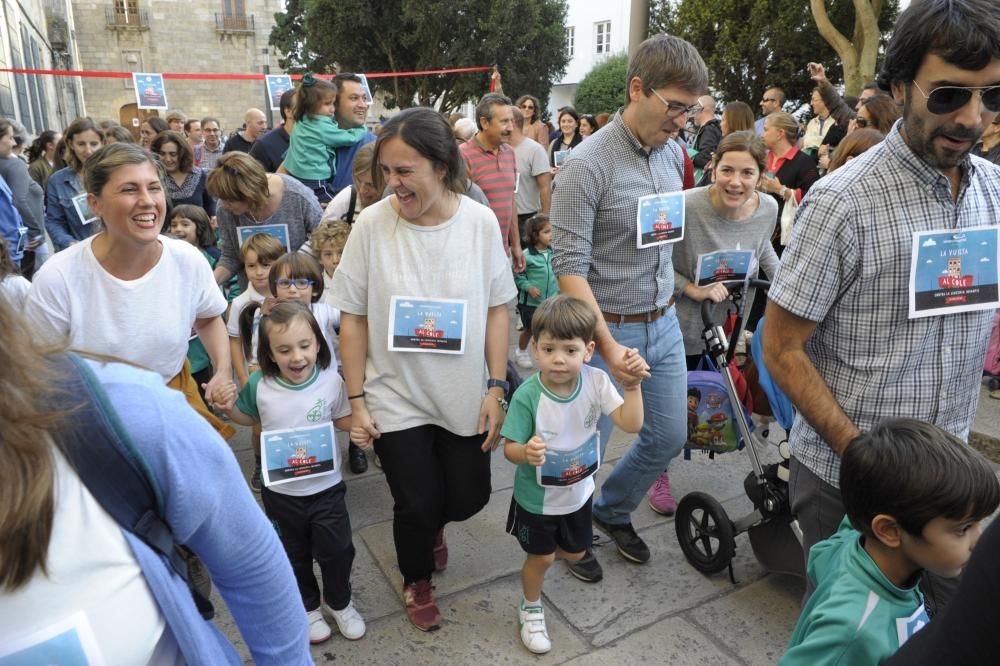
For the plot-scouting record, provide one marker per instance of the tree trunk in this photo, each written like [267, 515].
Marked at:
[858, 55]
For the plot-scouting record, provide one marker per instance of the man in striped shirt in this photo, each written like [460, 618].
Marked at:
[493, 167]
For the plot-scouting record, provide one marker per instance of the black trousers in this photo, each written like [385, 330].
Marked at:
[315, 527]
[436, 477]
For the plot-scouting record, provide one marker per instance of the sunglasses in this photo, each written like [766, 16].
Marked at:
[299, 283]
[946, 99]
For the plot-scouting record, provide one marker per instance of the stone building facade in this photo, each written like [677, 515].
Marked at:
[197, 36]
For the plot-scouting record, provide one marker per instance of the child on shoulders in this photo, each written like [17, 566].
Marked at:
[551, 435]
[915, 497]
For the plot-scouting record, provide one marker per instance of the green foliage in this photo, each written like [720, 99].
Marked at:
[749, 45]
[524, 37]
[603, 88]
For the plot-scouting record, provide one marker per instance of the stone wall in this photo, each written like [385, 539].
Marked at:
[175, 36]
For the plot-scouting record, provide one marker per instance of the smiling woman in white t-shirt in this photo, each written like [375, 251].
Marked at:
[128, 291]
[423, 288]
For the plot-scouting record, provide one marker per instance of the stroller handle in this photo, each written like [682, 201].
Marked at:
[731, 285]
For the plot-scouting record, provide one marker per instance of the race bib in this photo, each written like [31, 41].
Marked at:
[724, 265]
[659, 219]
[297, 453]
[953, 271]
[420, 324]
[566, 467]
[279, 231]
[83, 211]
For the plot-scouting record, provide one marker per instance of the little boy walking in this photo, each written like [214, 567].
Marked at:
[914, 496]
[551, 435]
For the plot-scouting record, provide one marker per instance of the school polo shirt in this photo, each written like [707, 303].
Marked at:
[496, 174]
[568, 422]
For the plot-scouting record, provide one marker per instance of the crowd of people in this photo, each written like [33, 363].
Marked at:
[322, 277]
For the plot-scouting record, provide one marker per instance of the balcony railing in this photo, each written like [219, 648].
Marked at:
[234, 23]
[117, 17]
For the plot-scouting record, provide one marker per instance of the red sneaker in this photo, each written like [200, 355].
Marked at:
[420, 606]
[440, 552]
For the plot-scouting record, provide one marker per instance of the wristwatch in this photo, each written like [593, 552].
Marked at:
[498, 383]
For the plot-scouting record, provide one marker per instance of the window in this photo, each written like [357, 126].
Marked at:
[127, 12]
[602, 38]
[570, 39]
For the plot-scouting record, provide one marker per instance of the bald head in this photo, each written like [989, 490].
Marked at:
[256, 123]
[707, 110]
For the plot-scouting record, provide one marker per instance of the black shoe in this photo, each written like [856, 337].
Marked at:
[629, 544]
[357, 459]
[255, 482]
[587, 568]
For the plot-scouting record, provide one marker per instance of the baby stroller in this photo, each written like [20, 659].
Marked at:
[707, 536]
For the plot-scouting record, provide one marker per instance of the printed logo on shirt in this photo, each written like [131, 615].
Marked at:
[316, 413]
[907, 626]
[592, 415]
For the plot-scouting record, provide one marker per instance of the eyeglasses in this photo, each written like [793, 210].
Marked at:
[298, 283]
[946, 99]
[527, 106]
[861, 123]
[675, 109]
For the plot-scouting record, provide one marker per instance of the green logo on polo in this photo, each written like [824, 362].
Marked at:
[316, 413]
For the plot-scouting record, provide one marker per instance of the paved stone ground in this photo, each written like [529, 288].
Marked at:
[664, 611]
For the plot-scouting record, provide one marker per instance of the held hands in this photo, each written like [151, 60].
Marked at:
[517, 255]
[534, 452]
[627, 367]
[364, 432]
[222, 396]
[636, 367]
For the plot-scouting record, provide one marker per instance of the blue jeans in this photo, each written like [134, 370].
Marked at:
[664, 426]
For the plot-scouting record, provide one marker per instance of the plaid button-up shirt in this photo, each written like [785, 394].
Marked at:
[593, 218]
[847, 268]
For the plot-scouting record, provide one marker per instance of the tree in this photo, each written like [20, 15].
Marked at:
[749, 45]
[603, 88]
[524, 37]
[858, 54]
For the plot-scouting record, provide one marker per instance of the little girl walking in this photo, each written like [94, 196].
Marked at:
[298, 388]
[536, 283]
[316, 135]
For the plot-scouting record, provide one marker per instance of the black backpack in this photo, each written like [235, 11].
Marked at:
[96, 444]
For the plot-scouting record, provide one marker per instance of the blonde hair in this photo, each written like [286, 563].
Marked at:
[786, 123]
[330, 231]
[239, 177]
[363, 159]
[267, 248]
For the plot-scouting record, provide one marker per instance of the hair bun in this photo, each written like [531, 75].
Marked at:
[308, 80]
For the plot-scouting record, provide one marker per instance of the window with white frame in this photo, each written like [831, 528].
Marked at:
[602, 37]
[570, 41]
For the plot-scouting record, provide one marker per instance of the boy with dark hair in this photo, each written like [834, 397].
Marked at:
[914, 496]
[551, 435]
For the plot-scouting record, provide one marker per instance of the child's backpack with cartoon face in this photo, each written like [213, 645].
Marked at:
[711, 425]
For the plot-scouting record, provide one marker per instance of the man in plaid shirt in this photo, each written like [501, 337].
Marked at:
[838, 338]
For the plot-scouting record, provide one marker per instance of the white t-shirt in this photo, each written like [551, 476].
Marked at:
[94, 593]
[249, 296]
[327, 299]
[462, 259]
[15, 289]
[279, 405]
[146, 321]
[340, 204]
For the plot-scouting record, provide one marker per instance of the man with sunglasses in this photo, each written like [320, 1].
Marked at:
[597, 258]
[773, 100]
[839, 337]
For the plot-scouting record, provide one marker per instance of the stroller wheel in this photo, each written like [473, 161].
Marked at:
[705, 533]
[994, 383]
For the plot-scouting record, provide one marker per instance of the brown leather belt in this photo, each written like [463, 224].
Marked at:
[641, 317]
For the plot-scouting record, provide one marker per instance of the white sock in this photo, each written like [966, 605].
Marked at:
[531, 604]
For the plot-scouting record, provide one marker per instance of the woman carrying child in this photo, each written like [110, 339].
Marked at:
[316, 136]
[536, 283]
[297, 386]
[421, 323]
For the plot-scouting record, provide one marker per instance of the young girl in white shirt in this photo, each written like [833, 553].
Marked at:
[298, 387]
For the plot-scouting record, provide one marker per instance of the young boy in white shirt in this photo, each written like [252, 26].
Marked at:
[551, 435]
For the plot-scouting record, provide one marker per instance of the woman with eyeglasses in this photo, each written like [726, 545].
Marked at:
[534, 128]
[128, 291]
[878, 112]
[789, 171]
[250, 197]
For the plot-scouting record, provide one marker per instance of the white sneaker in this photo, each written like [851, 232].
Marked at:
[349, 621]
[523, 359]
[518, 324]
[534, 635]
[319, 630]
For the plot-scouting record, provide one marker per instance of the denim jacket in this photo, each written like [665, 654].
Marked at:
[61, 219]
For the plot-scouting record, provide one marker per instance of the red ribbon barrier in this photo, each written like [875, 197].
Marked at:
[230, 77]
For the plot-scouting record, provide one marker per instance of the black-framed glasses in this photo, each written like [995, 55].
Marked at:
[298, 283]
[675, 109]
[946, 99]
[861, 123]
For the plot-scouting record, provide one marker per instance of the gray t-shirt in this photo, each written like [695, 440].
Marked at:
[706, 231]
[386, 256]
[532, 161]
[299, 209]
